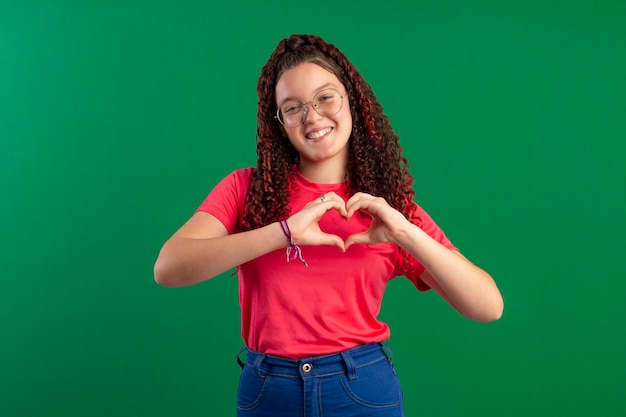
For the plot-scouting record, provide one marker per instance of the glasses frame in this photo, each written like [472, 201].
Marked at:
[305, 108]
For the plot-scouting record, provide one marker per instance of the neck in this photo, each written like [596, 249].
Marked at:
[325, 172]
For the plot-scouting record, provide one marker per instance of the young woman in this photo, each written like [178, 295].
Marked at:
[316, 231]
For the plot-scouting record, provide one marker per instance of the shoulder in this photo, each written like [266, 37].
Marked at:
[227, 199]
[243, 174]
[239, 179]
[235, 184]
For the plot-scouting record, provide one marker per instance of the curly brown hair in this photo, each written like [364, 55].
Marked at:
[376, 164]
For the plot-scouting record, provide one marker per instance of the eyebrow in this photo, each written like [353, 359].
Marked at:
[317, 90]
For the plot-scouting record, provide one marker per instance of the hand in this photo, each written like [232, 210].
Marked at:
[387, 222]
[304, 226]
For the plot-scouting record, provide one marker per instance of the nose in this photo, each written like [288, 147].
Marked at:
[310, 115]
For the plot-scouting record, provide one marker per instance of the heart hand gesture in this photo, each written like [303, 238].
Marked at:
[387, 222]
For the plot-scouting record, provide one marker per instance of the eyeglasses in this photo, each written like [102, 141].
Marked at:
[327, 102]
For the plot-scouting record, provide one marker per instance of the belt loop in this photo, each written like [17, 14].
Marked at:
[257, 363]
[350, 365]
[389, 354]
[239, 361]
[387, 351]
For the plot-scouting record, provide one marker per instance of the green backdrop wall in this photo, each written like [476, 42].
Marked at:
[117, 118]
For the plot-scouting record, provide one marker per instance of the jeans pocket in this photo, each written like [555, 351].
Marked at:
[252, 388]
[376, 386]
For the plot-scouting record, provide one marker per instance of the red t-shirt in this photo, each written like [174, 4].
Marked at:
[292, 311]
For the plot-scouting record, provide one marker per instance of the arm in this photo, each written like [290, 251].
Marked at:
[202, 248]
[468, 288]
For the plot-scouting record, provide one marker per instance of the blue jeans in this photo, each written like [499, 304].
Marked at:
[357, 382]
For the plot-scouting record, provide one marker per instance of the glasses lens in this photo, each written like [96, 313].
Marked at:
[290, 113]
[328, 102]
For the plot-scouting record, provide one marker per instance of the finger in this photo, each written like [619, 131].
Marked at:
[361, 202]
[357, 238]
[323, 198]
[319, 208]
[361, 194]
[332, 240]
[335, 202]
[328, 196]
[352, 205]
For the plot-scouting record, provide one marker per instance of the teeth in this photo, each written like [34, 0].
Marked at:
[319, 133]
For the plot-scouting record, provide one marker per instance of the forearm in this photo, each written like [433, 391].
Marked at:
[186, 261]
[467, 287]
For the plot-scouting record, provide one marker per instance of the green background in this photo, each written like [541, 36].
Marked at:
[118, 117]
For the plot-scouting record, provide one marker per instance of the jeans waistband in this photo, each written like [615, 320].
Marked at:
[347, 362]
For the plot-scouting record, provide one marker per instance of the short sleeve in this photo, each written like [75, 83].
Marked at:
[226, 201]
[413, 268]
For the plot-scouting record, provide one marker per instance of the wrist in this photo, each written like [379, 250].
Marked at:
[293, 250]
[403, 236]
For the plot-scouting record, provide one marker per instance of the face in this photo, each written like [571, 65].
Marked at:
[319, 138]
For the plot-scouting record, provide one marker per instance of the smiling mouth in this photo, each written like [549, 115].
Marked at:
[318, 133]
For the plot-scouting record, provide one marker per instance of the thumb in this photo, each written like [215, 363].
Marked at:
[331, 240]
[357, 238]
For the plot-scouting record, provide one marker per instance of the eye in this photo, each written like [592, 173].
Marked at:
[326, 97]
[290, 108]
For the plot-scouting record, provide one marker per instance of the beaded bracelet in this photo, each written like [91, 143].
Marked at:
[293, 251]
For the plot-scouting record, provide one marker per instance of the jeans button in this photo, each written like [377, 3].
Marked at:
[306, 368]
